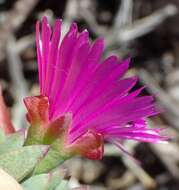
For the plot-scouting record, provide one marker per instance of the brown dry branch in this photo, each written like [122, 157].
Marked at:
[171, 112]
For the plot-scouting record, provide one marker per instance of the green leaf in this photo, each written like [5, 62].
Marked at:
[49, 162]
[2, 136]
[43, 182]
[62, 185]
[20, 163]
[55, 156]
[12, 142]
[55, 179]
[37, 182]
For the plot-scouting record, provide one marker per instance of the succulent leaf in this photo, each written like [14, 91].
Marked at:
[35, 135]
[55, 179]
[37, 116]
[21, 162]
[43, 182]
[62, 185]
[52, 160]
[37, 182]
[12, 142]
[2, 136]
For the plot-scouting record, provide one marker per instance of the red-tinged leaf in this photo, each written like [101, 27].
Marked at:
[37, 116]
[89, 145]
[5, 121]
[57, 128]
[37, 107]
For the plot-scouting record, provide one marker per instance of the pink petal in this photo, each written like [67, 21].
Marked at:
[52, 58]
[39, 53]
[102, 96]
[92, 85]
[95, 95]
[77, 65]
[64, 60]
[46, 34]
[85, 75]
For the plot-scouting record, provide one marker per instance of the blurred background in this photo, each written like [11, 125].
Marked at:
[145, 30]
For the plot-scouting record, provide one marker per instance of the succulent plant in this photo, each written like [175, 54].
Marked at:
[81, 105]
[19, 161]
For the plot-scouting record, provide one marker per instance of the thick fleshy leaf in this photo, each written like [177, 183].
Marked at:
[57, 128]
[37, 182]
[81, 188]
[43, 182]
[53, 159]
[13, 142]
[2, 136]
[5, 121]
[20, 163]
[62, 185]
[89, 145]
[37, 115]
[37, 107]
[56, 179]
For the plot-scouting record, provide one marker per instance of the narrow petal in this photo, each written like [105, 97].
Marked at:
[75, 81]
[117, 106]
[85, 76]
[77, 66]
[91, 85]
[52, 58]
[39, 53]
[46, 34]
[144, 136]
[64, 60]
[104, 96]
[122, 148]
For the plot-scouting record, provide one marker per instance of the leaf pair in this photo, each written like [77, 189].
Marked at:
[17, 160]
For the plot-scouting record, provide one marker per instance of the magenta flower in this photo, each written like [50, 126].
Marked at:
[86, 97]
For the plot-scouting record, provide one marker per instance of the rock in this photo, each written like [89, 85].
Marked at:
[7, 182]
